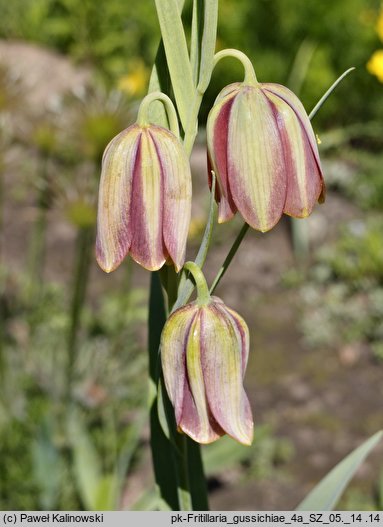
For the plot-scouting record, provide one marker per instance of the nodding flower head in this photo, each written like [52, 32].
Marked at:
[204, 353]
[263, 151]
[144, 196]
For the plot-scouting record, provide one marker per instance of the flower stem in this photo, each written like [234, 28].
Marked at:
[229, 257]
[143, 112]
[250, 76]
[203, 295]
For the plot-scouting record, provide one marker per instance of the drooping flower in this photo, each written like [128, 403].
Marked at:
[263, 151]
[144, 197]
[204, 353]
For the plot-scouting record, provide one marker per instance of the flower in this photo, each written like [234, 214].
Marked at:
[204, 353]
[375, 64]
[144, 199]
[262, 149]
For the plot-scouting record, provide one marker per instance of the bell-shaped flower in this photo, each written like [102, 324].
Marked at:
[263, 151]
[204, 353]
[145, 195]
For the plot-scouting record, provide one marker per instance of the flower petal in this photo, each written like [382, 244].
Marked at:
[196, 418]
[114, 231]
[221, 357]
[304, 180]
[217, 137]
[256, 166]
[147, 247]
[176, 177]
[292, 100]
[173, 345]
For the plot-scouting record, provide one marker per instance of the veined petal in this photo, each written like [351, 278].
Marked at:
[221, 357]
[242, 328]
[304, 180]
[217, 136]
[292, 100]
[147, 246]
[114, 230]
[176, 177]
[173, 345]
[256, 166]
[196, 419]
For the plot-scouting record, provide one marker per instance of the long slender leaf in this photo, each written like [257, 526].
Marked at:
[326, 494]
[177, 56]
[160, 81]
[209, 37]
[163, 452]
[323, 99]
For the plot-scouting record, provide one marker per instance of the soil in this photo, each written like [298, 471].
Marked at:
[324, 402]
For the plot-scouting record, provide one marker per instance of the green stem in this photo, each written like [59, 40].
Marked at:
[85, 238]
[203, 296]
[250, 76]
[229, 257]
[143, 112]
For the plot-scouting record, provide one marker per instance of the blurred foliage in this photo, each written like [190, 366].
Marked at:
[343, 298]
[65, 455]
[119, 39]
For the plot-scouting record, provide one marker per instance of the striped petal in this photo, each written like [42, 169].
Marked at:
[173, 345]
[114, 230]
[196, 419]
[217, 137]
[256, 165]
[221, 357]
[147, 247]
[304, 180]
[176, 177]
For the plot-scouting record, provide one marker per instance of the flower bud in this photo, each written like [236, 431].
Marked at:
[263, 151]
[204, 352]
[144, 199]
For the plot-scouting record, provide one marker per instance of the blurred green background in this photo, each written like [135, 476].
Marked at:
[73, 427]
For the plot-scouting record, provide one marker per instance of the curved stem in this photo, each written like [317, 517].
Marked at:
[143, 112]
[203, 295]
[250, 76]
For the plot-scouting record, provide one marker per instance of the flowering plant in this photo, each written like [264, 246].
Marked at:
[263, 161]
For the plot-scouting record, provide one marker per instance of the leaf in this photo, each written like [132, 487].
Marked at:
[323, 99]
[209, 36]
[177, 56]
[326, 494]
[86, 462]
[160, 81]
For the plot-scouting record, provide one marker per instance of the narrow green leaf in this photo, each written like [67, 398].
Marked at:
[160, 81]
[163, 454]
[326, 494]
[328, 93]
[196, 39]
[177, 56]
[86, 462]
[209, 37]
